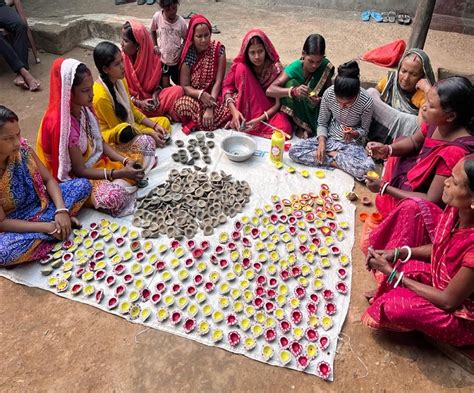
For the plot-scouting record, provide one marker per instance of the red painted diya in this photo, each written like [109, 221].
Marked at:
[67, 244]
[258, 302]
[76, 288]
[135, 246]
[198, 279]
[98, 255]
[312, 231]
[300, 292]
[93, 225]
[197, 253]
[323, 342]
[233, 338]
[342, 273]
[232, 246]
[238, 225]
[155, 298]
[145, 294]
[260, 291]
[189, 262]
[223, 263]
[269, 307]
[176, 317]
[127, 279]
[100, 274]
[302, 362]
[283, 218]
[270, 334]
[231, 320]
[296, 316]
[219, 249]
[246, 242]
[316, 241]
[112, 303]
[341, 287]
[91, 265]
[278, 207]
[311, 334]
[119, 269]
[79, 272]
[213, 258]
[140, 255]
[312, 308]
[284, 342]
[110, 280]
[271, 293]
[255, 232]
[303, 249]
[323, 369]
[285, 275]
[330, 308]
[99, 295]
[160, 287]
[273, 218]
[120, 241]
[292, 230]
[160, 265]
[191, 291]
[189, 325]
[208, 286]
[335, 250]
[246, 263]
[205, 245]
[285, 326]
[295, 271]
[295, 348]
[292, 219]
[120, 290]
[191, 244]
[257, 266]
[94, 235]
[328, 294]
[272, 283]
[314, 298]
[175, 244]
[261, 280]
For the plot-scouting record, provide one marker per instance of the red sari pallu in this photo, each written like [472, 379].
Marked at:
[203, 77]
[248, 91]
[144, 75]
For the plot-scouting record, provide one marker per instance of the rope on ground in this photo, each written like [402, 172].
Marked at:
[139, 333]
[348, 341]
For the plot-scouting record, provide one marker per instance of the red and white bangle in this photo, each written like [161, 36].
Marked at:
[383, 188]
[125, 160]
[290, 92]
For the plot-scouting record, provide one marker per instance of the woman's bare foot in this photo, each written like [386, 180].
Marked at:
[75, 223]
[32, 83]
[19, 81]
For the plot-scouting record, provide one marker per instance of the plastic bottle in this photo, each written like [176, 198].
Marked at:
[372, 222]
[277, 147]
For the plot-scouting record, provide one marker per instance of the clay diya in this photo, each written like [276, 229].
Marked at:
[217, 335]
[267, 352]
[99, 295]
[112, 303]
[134, 312]
[89, 290]
[76, 289]
[120, 290]
[328, 294]
[296, 316]
[155, 298]
[162, 314]
[341, 287]
[330, 308]
[270, 335]
[100, 274]
[326, 322]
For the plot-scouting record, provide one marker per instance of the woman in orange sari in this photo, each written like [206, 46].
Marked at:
[202, 65]
[151, 91]
[70, 143]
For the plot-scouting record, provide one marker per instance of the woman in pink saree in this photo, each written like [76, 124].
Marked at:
[429, 287]
[256, 66]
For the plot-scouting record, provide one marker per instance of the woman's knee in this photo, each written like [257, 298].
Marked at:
[374, 93]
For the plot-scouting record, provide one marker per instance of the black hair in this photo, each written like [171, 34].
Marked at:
[314, 45]
[347, 82]
[254, 41]
[166, 3]
[81, 72]
[104, 54]
[456, 94]
[469, 169]
[127, 28]
[7, 115]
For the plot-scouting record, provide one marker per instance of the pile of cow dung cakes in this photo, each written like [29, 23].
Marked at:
[189, 201]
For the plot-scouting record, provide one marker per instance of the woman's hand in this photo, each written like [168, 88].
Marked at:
[128, 172]
[423, 85]
[350, 134]
[377, 261]
[315, 100]
[237, 119]
[301, 91]
[377, 150]
[158, 138]
[208, 117]
[251, 124]
[149, 105]
[208, 100]
[321, 151]
[373, 184]
[63, 225]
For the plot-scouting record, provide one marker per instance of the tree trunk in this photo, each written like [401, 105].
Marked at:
[421, 24]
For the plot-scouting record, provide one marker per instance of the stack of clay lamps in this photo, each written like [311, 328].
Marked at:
[189, 154]
[190, 200]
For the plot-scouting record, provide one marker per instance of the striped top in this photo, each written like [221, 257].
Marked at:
[332, 117]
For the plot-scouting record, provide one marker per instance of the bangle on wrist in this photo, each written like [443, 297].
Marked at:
[392, 275]
[383, 188]
[52, 232]
[409, 253]
[112, 174]
[290, 92]
[125, 160]
[266, 115]
[390, 151]
[105, 174]
[200, 94]
[399, 280]
[61, 210]
[396, 254]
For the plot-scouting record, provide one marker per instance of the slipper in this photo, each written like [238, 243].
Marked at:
[392, 16]
[376, 16]
[189, 15]
[365, 16]
[141, 2]
[215, 30]
[400, 18]
[384, 17]
[150, 2]
[407, 19]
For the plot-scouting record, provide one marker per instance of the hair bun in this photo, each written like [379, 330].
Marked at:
[349, 70]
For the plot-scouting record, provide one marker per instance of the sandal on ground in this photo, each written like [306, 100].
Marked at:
[141, 2]
[150, 2]
[407, 19]
[392, 16]
[215, 29]
[375, 15]
[384, 17]
[400, 18]
[365, 16]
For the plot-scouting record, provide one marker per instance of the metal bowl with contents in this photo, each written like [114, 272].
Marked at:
[238, 147]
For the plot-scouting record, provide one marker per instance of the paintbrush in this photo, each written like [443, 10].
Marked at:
[288, 136]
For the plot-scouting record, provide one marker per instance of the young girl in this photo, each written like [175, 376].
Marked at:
[253, 70]
[203, 65]
[71, 144]
[34, 211]
[343, 122]
[168, 31]
[150, 87]
[119, 120]
[301, 85]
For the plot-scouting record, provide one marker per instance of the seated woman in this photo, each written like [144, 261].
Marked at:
[302, 84]
[151, 91]
[399, 96]
[430, 287]
[34, 211]
[202, 65]
[70, 143]
[119, 120]
[418, 165]
[344, 120]
[255, 67]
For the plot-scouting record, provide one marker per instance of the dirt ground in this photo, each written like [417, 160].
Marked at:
[52, 344]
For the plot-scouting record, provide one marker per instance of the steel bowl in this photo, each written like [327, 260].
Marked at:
[238, 147]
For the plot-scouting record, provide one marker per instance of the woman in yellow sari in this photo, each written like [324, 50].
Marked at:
[71, 145]
[119, 120]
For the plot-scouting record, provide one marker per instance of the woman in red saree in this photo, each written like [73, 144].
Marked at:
[151, 92]
[430, 287]
[256, 66]
[202, 65]
[419, 164]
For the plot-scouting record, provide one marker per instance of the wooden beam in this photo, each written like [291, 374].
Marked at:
[421, 24]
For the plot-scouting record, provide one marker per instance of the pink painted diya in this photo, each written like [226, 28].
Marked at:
[284, 342]
[99, 295]
[127, 279]
[270, 334]
[67, 244]
[255, 232]
[285, 274]
[98, 255]
[176, 317]
[295, 271]
[119, 268]
[341, 287]
[238, 225]
[323, 369]
[296, 316]
[94, 234]
[233, 338]
[76, 288]
[300, 292]
[175, 244]
[209, 286]
[295, 348]
[191, 244]
[160, 287]
[231, 320]
[205, 245]
[323, 342]
[160, 265]
[311, 334]
[140, 255]
[120, 290]
[342, 273]
[235, 235]
[314, 298]
[198, 279]
[223, 263]
[328, 294]
[145, 294]
[112, 303]
[260, 291]
[100, 274]
[246, 242]
[189, 262]
[198, 253]
[285, 326]
[335, 250]
[257, 266]
[135, 246]
[155, 298]
[120, 241]
[78, 273]
[272, 282]
[302, 362]
[110, 280]
[258, 302]
[219, 249]
[330, 308]
[191, 290]
[269, 307]
[312, 308]
[261, 280]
